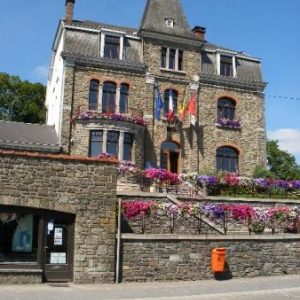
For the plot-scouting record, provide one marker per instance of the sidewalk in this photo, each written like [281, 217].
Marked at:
[207, 289]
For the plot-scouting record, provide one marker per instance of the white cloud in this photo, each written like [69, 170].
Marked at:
[288, 140]
[41, 72]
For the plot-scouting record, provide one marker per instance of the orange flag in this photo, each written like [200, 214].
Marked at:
[191, 108]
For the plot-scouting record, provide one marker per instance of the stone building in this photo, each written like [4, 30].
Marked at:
[160, 95]
[57, 212]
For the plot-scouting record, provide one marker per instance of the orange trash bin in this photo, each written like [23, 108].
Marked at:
[218, 259]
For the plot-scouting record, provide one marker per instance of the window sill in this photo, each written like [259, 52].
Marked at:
[173, 71]
[229, 127]
[21, 270]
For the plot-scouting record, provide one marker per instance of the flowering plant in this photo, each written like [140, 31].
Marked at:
[161, 174]
[127, 167]
[223, 122]
[132, 209]
[107, 155]
[90, 114]
[258, 217]
[207, 180]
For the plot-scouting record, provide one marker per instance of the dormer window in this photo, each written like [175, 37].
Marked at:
[169, 22]
[226, 64]
[112, 45]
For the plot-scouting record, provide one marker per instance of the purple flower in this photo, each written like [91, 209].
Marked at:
[261, 182]
[280, 184]
[207, 180]
[223, 122]
[296, 184]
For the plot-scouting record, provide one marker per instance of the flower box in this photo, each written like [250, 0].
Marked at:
[227, 123]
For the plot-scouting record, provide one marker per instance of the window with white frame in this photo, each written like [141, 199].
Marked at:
[112, 45]
[112, 142]
[171, 59]
[226, 64]
[169, 22]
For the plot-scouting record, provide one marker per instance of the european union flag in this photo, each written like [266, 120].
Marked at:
[159, 103]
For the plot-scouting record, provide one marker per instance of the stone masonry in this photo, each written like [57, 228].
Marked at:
[75, 185]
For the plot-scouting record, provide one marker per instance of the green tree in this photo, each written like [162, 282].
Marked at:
[21, 101]
[281, 163]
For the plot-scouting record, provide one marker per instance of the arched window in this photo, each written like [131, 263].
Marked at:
[170, 95]
[124, 91]
[227, 159]
[226, 109]
[93, 96]
[109, 98]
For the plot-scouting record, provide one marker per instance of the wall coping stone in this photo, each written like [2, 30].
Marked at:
[210, 198]
[202, 237]
[57, 156]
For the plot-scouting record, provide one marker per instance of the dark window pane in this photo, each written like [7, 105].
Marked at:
[226, 65]
[96, 143]
[226, 109]
[227, 159]
[112, 142]
[127, 147]
[163, 58]
[180, 59]
[93, 96]
[111, 47]
[124, 98]
[109, 97]
[172, 59]
[18, 237]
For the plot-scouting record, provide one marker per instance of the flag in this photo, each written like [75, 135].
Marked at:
[159, 103]
[191, 108]
[182, 110]
[171, 106]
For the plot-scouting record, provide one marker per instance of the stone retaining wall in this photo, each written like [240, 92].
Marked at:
[186, 257]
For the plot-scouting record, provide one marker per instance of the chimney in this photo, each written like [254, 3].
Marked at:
[199, 32]
[69, 10]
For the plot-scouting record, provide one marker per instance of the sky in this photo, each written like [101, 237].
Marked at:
[265, 29]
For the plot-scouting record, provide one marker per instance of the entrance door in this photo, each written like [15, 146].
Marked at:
[58, 249]
[170, 157]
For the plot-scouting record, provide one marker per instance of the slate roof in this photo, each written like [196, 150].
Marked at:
[157, 11]
[29, 137]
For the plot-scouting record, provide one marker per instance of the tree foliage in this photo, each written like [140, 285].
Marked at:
[21, 101]
[281, 163]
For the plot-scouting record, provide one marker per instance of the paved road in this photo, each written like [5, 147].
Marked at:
[260, 288]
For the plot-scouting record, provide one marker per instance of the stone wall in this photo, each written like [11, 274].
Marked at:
[186, 257]
[76, 185]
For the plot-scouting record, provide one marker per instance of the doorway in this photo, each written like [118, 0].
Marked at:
[58, 249]
[170, 157]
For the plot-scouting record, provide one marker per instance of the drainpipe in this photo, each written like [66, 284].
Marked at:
[72, 109]
[118, 243]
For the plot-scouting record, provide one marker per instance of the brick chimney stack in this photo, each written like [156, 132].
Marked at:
[200, 32]
[69, 10]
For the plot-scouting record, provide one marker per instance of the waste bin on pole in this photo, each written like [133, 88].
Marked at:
[218, 259]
